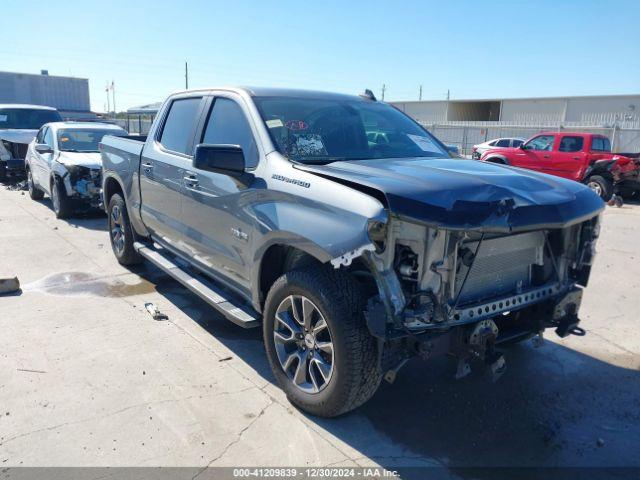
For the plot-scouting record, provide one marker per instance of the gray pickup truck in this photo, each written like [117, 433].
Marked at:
[349, 233]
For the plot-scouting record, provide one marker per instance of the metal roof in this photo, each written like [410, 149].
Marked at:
[25, 106]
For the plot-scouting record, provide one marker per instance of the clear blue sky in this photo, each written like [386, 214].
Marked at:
[477, 49]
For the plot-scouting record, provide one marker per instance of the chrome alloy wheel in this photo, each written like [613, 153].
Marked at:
[595, 186]
[55, 197]
[30, 181]
[303, 343]
[117, 229]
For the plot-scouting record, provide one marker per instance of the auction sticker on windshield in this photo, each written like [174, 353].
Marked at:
[425, 143]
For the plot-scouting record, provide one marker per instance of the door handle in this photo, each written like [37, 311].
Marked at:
[147, 167]
[546, 156]
[191, 180]
[576, 158]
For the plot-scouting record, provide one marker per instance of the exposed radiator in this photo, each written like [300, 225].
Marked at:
[502, 266]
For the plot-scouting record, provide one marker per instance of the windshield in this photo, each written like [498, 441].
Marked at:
[84, 140]
[26, 118]
[310, 130]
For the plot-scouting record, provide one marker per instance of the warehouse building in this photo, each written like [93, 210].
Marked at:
[464, 123]
[70, 95]
[601, 110]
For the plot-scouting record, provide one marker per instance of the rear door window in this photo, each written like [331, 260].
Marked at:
[179, 127]
[600, 144]
[571, 144]
[503, 143]
[228, 125]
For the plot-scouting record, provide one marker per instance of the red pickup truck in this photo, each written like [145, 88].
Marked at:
[583, 157]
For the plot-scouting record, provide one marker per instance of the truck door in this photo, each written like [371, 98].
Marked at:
[164, 159]
[215, 206]
[569, 157]
[535, 154]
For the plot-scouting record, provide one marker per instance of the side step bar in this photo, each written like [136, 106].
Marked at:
[202, 287]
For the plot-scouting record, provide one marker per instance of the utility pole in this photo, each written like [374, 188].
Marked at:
[448, 95]
[384, 87]
[106, 89]
[186, 76]
[113, 92]
[420, 94]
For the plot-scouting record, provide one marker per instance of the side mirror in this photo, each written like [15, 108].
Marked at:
[453, 150]
[43, 148]
[522, 146]
[225, 159]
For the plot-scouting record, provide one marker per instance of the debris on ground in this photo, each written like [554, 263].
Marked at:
[18, 186]
[154, 312]
[616, 200]
[9, 285]
[225, 359]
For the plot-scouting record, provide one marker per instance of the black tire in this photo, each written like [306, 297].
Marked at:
[3, 172]
[356, 374]
[601, 185]
[62, 204]
[119, 223]
[34, 192]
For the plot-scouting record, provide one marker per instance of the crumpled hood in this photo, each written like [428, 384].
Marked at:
[88, 159]
[18, 135]
[468, 194]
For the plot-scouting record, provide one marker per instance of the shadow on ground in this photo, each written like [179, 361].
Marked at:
[555, 406]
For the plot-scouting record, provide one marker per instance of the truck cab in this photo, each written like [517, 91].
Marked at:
[582, 157]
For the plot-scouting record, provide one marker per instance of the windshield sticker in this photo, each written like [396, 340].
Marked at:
[425, 143]
[307, 145]
[275, 123]
[296, 125]
[3, 118]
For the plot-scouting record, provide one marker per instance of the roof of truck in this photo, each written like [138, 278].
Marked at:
[277, 92]
[25, 106]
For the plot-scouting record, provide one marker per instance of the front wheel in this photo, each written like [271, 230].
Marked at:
[121, 232]
[317, 343]
[34, 192]
[601, 185]
[62, 204]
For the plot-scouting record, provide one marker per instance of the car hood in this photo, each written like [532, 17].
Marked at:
[18, 135]
[467, 194]
[83, 159]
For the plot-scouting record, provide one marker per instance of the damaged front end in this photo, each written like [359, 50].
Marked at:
[12, 155]
[82, 184]
[465, 292]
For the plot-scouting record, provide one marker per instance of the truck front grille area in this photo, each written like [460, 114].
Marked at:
[502, 266]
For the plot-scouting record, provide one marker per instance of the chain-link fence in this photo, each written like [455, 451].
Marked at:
[465, 136]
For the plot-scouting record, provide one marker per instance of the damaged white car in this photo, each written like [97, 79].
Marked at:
[18, 126]
[63, 161]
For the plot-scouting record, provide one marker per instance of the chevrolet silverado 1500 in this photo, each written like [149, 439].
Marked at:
[345, 229]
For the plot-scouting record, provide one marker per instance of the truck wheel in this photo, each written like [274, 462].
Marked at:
[34, 192]
[600, 185]
[62, 204]
[317, 343]
[121, 232]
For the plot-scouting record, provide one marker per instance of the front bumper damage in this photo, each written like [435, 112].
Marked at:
[82, 184]
[431, 301]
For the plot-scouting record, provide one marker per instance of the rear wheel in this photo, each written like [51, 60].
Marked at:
[62, 204]
[317, 343]
[601, 185]
[3, 172]
[121, 232]
[34, 192]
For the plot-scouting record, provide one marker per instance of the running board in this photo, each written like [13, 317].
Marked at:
[202, 287]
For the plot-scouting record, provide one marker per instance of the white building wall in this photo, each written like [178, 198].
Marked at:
[604, 110]
[426, 112]
[532, 111]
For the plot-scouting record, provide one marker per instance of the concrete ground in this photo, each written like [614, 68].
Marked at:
[88, 378]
